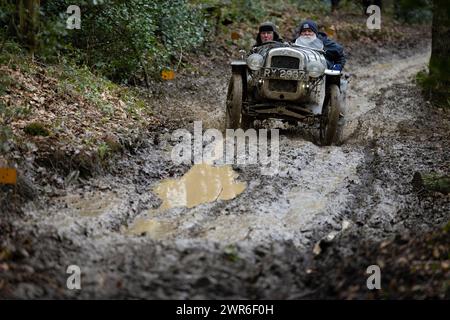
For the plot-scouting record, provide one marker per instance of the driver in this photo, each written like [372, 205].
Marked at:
[267, 33]
[334, 52]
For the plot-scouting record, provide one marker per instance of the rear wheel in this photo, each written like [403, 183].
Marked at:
[330, 116]
[234, 117]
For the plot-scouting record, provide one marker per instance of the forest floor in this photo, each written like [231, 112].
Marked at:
[86, 192]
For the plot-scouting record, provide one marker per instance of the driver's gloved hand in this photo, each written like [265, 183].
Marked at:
[337, 67]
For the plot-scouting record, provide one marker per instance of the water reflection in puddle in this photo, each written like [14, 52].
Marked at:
[203, 183]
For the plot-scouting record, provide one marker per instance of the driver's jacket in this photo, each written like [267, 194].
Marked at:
[334, 52]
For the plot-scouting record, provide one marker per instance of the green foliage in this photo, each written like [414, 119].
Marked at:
[436, 84]
[103, 151]
[107, 148]
[231, 253]
[51, 35]
[80, 80]
[50, 31]
[8, 114]
[436, 87]
[6, 135]
[446, 229]
[75, 80]
[124, 40]
[314, 6]
[5, 83]
[7, 8]
[244, 10]
[12, 53]
[36, 129]
[129, 41]
[413, 11]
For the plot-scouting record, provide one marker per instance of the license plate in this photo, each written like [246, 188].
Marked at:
[283, 74]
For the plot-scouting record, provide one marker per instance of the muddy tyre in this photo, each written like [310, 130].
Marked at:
[234, 117]
[330, 116]
[339, 137]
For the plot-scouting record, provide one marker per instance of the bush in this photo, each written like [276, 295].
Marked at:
[244, 10]
[6, 135]
[123, 40]
[131, 39]
[36, 129]
[413, 11]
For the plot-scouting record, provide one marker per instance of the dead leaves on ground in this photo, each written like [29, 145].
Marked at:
[75, 123]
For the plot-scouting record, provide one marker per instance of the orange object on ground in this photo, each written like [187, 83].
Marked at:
[8, 176]
[168, 75]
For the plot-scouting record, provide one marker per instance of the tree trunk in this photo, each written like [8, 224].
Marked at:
[28, 13]
[439, 77]
[334, 5]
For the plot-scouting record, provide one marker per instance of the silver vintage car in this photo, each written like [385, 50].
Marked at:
[285, 81]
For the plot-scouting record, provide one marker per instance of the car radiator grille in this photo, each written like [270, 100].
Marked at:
[285, 62]
[283, 85]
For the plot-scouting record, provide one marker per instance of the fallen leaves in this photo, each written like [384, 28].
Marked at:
[77, 122]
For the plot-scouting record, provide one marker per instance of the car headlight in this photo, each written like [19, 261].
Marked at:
[315, 69]
[255, 61]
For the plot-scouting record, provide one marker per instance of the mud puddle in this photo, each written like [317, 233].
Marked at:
[203, 183]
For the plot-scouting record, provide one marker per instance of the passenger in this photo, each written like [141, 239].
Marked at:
[334, 52]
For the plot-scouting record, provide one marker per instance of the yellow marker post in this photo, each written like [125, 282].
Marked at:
[8, 176]
[331, 31]
[235, 36]
[167, 74]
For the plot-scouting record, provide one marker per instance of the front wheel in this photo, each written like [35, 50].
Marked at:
[235, 119]
[330, 116]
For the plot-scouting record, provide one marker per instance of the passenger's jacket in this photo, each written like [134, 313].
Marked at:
[334, 52]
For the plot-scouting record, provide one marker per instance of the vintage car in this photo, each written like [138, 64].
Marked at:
[285, 81]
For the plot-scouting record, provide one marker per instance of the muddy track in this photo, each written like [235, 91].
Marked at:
[259, 244]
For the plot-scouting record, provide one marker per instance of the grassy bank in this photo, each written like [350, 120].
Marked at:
[63, 116]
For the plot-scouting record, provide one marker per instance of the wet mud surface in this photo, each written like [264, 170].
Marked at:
[155, 229]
